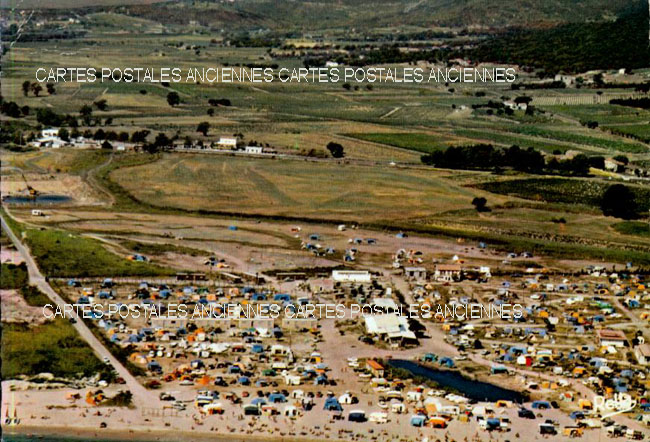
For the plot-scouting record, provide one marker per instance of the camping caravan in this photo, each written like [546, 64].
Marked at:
[357, 416]
[378, 417]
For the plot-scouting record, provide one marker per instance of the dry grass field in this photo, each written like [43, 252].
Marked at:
[294, 188]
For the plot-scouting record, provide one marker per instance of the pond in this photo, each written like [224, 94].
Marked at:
[480, 391]
[40, 199]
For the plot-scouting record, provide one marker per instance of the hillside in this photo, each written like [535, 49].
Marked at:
[331, 14]
[576, 47]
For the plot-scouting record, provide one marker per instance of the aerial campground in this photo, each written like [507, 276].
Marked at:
[307, 221]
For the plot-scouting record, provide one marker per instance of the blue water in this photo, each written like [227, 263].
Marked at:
[40, 199]
[480, 391]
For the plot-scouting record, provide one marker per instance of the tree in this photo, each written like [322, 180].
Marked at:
[85, 112]
[26, 86]
[211, 112]
[618, 201]
[47, 117]
[622, 159]
[203, 127]
[335, 149]
[50, 88]
[36, 88]
[64, 134]
[101, 104]
[173, 99]
[480, 204]
[139, 136]
[99, 134]
[107, 145]
[162, 140]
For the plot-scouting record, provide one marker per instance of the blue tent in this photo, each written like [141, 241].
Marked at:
[233, 369]
[233, 228]
[577, 415]
[257, 348]
[282, 297]
[244, 380]
[418, 420]
[541, 405]
[332, 404]
[627, 373]
[277, 397]
[448, 362]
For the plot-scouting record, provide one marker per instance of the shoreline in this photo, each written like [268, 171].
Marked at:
[86, 433]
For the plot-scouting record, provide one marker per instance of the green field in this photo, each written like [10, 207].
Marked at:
[636, 228]
[13, 276]
[563, 190]
[577, 138]
[53, 347]
[414, 141]
[64, 254]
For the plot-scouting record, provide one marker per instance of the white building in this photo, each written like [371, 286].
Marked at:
[49, 138]
[253, 149]
[351, 275]
[415, 273]
[389, 326]
[227, 142]
[642, 353]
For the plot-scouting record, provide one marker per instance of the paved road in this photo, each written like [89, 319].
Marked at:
[141, 396]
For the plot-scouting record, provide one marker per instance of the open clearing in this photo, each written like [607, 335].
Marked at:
[293, 188]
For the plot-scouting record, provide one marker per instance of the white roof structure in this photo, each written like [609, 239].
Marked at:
[387, 304]
[392, 325]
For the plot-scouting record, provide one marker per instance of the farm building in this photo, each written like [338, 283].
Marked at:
[447, 272]
[253, 149]
[417, 273]
[609, 337]
[642, 353]
[227, 142]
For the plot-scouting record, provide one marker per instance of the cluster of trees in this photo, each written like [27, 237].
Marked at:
[487, 157]
[214, 102]
[47, 117]
[36, 88]
[619, 201]
[643, 103]
[12, 109]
